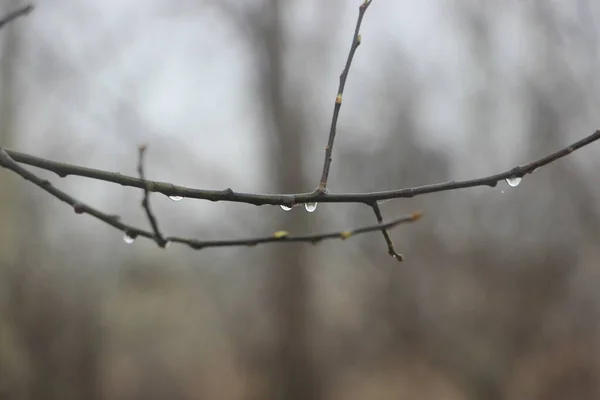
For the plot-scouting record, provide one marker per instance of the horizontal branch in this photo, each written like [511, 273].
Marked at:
[158, 236]
[229, 195]
[131, 232]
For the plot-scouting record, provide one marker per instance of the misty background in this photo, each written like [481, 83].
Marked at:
[497, 298]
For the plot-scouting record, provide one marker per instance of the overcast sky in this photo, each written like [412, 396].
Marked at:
[103, 77]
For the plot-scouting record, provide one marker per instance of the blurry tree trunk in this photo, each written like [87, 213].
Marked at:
[291, 374]
[13, 373]
[9, 196]
[36, 313]
[555, 106]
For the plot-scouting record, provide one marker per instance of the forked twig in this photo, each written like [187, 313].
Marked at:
[131, 232]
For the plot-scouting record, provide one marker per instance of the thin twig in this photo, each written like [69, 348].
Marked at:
[285, 237]
[386, 234]
[338, 99]
[132, 232]
[158, 237]
[169, 189]
[16, 14]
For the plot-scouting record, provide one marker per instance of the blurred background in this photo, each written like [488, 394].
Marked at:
[497, 298]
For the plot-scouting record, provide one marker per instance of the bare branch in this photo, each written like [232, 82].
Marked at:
[16, 14]
[338, 98]
[169, 189]
[10, 159]
[386, 234]
[131, 232]
[158, 237]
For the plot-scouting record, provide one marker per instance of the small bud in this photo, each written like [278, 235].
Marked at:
[416, 216]
[345, 234]
[280, 234]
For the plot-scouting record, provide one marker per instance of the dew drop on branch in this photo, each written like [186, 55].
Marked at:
[128, 239]
[176, 198]
[310, 207]
[514, 181]
[285, 208]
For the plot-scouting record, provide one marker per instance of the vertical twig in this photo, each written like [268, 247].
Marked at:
[386, 234]
[338, 99]
[158, 237]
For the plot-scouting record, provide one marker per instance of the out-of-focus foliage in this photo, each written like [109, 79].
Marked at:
[497, 299]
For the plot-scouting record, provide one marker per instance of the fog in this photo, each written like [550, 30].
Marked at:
[496, 298]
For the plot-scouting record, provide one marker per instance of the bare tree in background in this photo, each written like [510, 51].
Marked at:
[11, 355]
[289, 368]
[11, 42]
[491, 318]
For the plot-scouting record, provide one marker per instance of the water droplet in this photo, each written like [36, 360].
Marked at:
[502, 191]
[128, 239]
[285, 208]
[514, 181]
[176, 198]
[168, 244]
[310, 207]
[398, 257]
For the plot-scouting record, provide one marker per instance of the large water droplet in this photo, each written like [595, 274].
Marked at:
[176, 198]
[285, 208]
[514, 181]
[128, 239]
[310, 207]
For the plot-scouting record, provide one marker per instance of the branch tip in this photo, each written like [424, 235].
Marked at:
[416, 215]
[398, 257]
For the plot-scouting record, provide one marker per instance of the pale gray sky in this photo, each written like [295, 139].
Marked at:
[184, 70]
